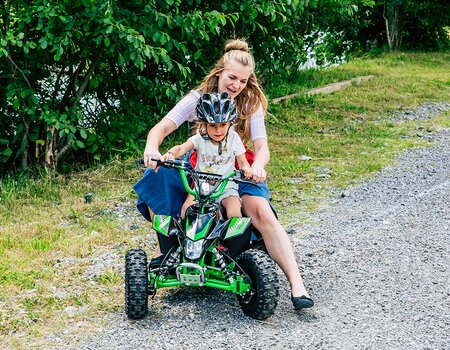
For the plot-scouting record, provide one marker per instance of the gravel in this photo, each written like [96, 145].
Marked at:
[375, 262]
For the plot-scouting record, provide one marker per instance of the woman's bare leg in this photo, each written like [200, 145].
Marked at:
[232, 206]
[276, 240]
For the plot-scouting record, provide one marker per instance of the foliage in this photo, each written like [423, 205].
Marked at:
[85, 77]
[410, 24]
[84, 80]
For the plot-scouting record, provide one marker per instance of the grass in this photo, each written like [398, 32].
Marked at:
[50, 238]
[350, 134]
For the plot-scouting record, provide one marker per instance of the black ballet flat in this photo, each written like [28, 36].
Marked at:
[302, 302]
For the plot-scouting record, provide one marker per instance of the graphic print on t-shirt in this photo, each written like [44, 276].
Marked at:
[213, 162]
[210, 161]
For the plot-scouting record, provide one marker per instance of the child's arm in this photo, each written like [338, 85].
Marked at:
[178, 150]
[244, 165]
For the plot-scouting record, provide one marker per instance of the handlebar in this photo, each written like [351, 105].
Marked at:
[236, 176]
[220, 181]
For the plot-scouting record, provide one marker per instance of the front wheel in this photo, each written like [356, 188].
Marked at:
[260, 302]
[136, 284]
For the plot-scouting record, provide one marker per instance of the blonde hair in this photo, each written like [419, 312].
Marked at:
[199, 127]
[251, 97]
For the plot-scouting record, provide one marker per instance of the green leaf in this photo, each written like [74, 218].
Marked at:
[40, 142]
[111, 136]
[7, 152]
[156, 37]
[80, 144]
[121, 60]
[83, 134]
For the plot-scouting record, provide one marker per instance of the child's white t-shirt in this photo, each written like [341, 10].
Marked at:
[208, 158]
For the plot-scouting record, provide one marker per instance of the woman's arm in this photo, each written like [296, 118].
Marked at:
[154, 139]
[262, 157]
[181, 112]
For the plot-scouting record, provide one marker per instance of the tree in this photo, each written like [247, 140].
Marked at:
[85, 77]
[391, 16]
[409, 24]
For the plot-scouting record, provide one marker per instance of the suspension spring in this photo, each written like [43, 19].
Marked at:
[223, 267]
[170, 262]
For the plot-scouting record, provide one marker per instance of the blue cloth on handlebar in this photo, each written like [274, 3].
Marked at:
[164, 194]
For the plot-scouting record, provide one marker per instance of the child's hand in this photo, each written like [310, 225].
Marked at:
[248, 173]
[168, 156]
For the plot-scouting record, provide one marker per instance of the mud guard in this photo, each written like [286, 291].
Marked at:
[237, 236]
[166, 230]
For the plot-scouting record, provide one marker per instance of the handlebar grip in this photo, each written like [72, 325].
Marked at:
[158, 161]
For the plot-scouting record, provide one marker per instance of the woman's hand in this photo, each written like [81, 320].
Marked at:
[248, 173]
[150, 153]
[258, 174]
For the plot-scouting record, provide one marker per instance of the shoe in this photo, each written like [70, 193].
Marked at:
[302, 302]
[156, 262]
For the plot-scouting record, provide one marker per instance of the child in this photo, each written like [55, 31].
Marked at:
[217, 147]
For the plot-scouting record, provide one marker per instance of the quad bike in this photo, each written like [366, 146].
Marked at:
[205, 249]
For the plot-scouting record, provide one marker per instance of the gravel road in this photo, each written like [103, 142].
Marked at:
[376, 262]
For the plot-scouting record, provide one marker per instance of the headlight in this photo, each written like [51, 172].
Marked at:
[193, 250]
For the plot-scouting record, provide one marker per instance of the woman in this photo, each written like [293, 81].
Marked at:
[234, 74]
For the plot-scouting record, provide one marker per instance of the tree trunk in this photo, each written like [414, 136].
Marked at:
[49, 149]
[391, 15]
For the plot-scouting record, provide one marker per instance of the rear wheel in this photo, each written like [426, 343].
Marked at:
[260, 302]
[136, 284]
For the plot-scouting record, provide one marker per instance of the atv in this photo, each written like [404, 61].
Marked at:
[205, 249]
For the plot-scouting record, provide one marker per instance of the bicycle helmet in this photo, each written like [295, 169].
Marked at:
[216, 108]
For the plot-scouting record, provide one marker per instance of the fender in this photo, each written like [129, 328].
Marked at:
[165, 225]
[237, 227]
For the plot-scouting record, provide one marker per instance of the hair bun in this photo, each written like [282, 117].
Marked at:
[236, 44]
